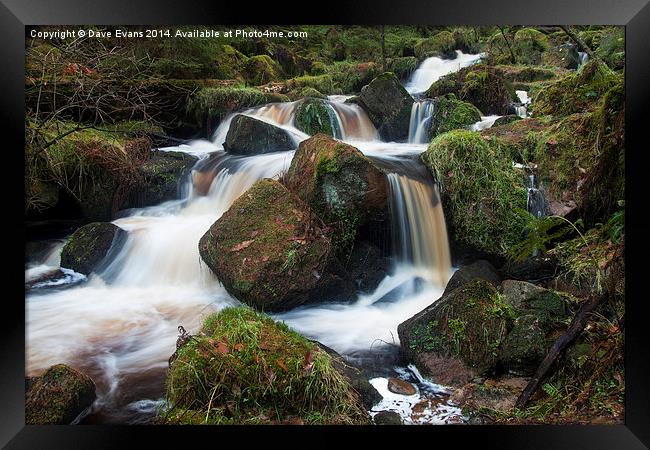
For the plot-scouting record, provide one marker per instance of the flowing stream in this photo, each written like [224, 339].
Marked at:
[120, 326]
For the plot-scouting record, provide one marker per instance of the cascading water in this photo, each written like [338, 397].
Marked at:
[421, 113]
[433, 68]
[522, 110]
[536, 202]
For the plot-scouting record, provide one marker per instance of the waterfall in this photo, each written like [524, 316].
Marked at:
[522, 110]
[431, 69]
[584, 57]
[484, 123]
[421, 113]
[536, 202]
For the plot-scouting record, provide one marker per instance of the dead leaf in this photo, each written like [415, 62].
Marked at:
[309, 363]
[242, 245]
[222, 348]
[238, 347]
[283, 365]
[255, 233]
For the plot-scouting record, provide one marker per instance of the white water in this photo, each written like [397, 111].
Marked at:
[431, 69]
[120, 326]
[522, 111]
[421, 113]
[484, 123]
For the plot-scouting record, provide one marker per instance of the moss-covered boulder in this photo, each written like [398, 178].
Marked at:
[478, 270]
[270, 252]
[402, 67]
[88, 247]
[480, 190]
[565, 56]
[245, 368]
[449, 113]
[388, 106]
[298, 93]
[162, 176]
[315, 116]
[340, 184]
[576, 92]
[251, 136]
[58, 396]
[442, 45]
[481, 85]
[261, 69]
[529, 45]
[471, 323]
[519, 138]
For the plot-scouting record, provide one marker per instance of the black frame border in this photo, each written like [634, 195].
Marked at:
[15, 15]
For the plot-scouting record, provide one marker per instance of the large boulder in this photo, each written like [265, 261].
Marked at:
[58, 396]
[89, 246]
[565, 56]
[315, 116]
[478, 270]
[340, 184]
[388, 106]
[481, 192]
[471, 323]
[251, 136]
[162, 176]
[482, 86]
[270, 251]
[245, 368]
[449, 113]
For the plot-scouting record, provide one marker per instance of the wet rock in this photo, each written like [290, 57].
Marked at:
[341, 185]
[387, 418]
[548, 305]
[533, 269]
[89, 246]
[479, 270]
[315, 116]
[525, 346]
[506, 120]
[470, 322]
[496, 394]
[250, 136]
[163, 174]
[450, 113]
[397, 386]
[58, 396]
[51, 275]
[270, 253]
[388, 106]
[367, 267]
[447, 371]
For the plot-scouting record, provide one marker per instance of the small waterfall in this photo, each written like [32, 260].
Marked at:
[433, 68]
[353, 121]
[421, 113]
[522, 110]
[584, 57]
[536, 202]
[419, 230]
[484, 123]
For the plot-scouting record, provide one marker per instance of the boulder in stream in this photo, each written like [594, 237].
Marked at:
[271, 251]
[58, 396]
[450, 113]
[388, 106]
[251, 136]
[314, 115]
[88, 247]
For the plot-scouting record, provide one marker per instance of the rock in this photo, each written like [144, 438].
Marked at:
[504, 120]
[529, 45]
[535, 268]
[91, 245]
[495, 394]
[525, 297]
[397, 386]
[270, 253]
[480, 191]
[250, 136]
[340, 184]
[470, 322]
[525, 346]
[447, 371]
[479, 270]
[50, 275]
[357, 378]
[163, 174]
[315, 116]
[481, 85]
[565, 56]
[262, 372]
[518, 138]
[387, 418]
[449, 113]
[366, 266]
[388, 106]
[58, 396]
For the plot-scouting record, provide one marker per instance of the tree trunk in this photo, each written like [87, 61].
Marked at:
[512, 54]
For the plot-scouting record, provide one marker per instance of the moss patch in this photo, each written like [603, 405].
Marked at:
[529, 44]
[244, 368]
[317, 116]
[449, 113]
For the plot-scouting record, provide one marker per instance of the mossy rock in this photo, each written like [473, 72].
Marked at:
[245, 368]
[387, 418]
[89, 246]
[449, 113]
[402, 67]
[251, 136]
[162, 176]
[565, 56]
[305, 92]
[465, 40]
[549, 307]
[388, 106]
[261, 69]
[230, 62]
[525, 346]
[442, 45]
[315, 116]
[322, 83]
[58, 396]
[576, 92]
[528, 74]
[611, 48]
[529, 45]
[269, 251]
[505, 120]
[340, 184]
[471, 322]
[480, 190]
[481, 85]
[519, 137]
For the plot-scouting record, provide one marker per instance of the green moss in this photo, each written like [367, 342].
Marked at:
[217, 102]
[611, 48]
[480, 190]
[245, 368]
[261, 69]
[317, 116]
[442, 44]
[402, 67]
[529, 44]
[450, 114]
[322, 83]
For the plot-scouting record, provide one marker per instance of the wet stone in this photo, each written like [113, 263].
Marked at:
[397, 386]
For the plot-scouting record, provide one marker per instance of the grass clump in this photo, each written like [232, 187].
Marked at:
[481, 190]
[244, 368]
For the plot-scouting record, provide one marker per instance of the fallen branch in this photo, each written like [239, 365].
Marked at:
[578, 324]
